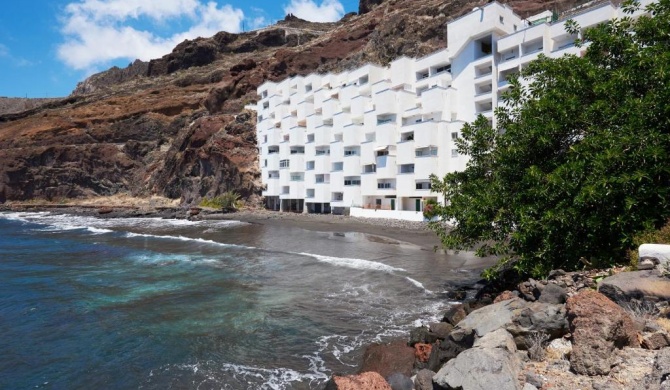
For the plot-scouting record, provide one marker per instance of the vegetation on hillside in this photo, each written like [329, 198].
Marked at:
[227, 202]
[580, 161]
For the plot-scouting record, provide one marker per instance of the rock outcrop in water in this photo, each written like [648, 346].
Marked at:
[175, 126]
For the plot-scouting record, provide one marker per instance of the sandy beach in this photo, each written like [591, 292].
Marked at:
[393, 231]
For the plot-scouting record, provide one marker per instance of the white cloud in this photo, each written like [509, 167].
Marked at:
[4, 51]
[99, 31]
[327, 11]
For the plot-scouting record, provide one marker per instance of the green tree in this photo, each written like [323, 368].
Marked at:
[580, 160]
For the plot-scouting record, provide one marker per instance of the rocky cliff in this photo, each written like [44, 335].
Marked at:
[176, 126]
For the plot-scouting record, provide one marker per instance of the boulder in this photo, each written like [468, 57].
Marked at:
[441, 330]
[398, 381]
[422, 352]
[656, 340]
[442, 352]
[497, 339]
[640, 285]
[554, 294]
[505, 296]
[559, 349]
[659, 254]
[522, 319]
[364, 381]
[424, 380]
[421, 335]
[598, 326]
[490, 362]
[455, 314]
[387, 359]
[659, 379]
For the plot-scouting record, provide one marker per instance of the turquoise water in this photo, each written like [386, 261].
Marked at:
[166, 304]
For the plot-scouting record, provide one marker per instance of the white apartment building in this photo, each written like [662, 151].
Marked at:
[366, 141]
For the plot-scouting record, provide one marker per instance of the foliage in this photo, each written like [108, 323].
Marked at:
[429, 210]
[582, 159]
[656, 236]
[228, 201]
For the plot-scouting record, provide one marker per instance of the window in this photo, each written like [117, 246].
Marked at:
[310, 138]
[265, 163]
[320, 179]
[486, 47]
[308, 87]
[297, 177]
[515, 27]
[273, 175]
[407, 168]
[352, 181]
[381, 153]
[266, 105]
[454, 152]
[407, 136]
[425, 152]
[384, 186]
[445, 68]
[273, 150]
[309, 165]
[264, 94]
[423, 185]
[298, 150]
[502, 20]
[322, 152]
[284, 164]
[338, 166]
[265, 139]
[337, 196]
[454, 136]
[351, 152]
[310, 193]
[372, 168]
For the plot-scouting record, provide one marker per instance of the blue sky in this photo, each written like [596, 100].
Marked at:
[47, 46]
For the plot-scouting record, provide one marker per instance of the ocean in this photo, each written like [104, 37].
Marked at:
[173, 304]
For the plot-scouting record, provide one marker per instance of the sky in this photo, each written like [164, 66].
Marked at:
[47, 46]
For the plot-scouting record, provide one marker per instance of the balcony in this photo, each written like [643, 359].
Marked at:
[322, 135]
[425, 133]
[405, 152]
[351, 135]
[386, 166]
[386, 134]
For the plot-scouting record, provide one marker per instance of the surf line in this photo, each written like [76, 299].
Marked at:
[353, 263]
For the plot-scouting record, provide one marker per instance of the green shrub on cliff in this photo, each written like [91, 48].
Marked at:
[583, 163]
[228, 201]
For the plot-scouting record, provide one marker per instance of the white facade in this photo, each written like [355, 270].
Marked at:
[368, 139]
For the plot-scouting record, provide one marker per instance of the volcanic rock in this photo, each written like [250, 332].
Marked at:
[364, 381]
[598, 327]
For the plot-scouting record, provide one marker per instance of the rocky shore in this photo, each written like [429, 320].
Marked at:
[591, 330]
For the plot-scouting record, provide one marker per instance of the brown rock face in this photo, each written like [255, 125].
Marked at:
[598, 326]
[365, 6]
[364, 381]
[386, 359]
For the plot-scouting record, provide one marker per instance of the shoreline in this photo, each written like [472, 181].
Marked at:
[387, 231]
